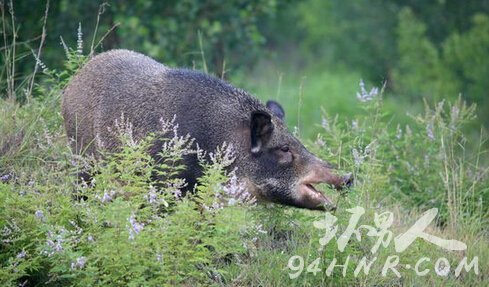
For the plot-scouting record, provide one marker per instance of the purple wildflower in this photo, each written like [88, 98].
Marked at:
[106, 197]
[354, 125]
[79, 41]
[135, 227]
[364, 96]
[325, 124]
[5, 178]
[21, 254]
[429, 131]
[357, 158]
[39, 215]
[398, 132]
[152, 196]
[320, 141]
[56, 245]
[159, 257]
[236, 191]
[79, 263]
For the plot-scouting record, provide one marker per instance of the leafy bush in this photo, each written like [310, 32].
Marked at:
[118, 228]
[125, 228]
[426, 164]
[426, 70]
[467, 54]
[131, 225]
[421, 71]
[176, 32]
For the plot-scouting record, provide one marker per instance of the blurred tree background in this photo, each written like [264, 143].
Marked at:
[420, 49]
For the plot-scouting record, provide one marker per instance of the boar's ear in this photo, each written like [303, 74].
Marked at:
[276, 109]
[261, 130]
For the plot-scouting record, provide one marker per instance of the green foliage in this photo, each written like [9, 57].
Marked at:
[126, 228]
[433, 49]
[420, 72]
[426, 163]
[130, 225]
[460, 65]
[467, 55]
[116, 229]
[398, 169]
[349, 33]
[168, 31]
[303, 93]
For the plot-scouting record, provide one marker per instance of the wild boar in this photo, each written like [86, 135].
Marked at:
[274, 164]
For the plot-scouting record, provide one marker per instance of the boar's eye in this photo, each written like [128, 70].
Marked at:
[284, 155]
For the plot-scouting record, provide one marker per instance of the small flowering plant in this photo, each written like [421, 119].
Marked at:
[218, 187]
[132, 212]
[415, 161]
[365, 96]
[132, 224]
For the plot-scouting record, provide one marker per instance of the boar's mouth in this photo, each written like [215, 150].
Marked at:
[311, 198]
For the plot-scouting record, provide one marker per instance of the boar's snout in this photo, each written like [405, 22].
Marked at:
[320, 172]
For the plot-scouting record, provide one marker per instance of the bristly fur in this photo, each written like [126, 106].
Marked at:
[122, 83]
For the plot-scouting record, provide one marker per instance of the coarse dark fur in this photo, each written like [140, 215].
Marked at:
[273, 163]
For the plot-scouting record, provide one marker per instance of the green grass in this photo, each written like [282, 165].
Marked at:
[304, 95]
[308, 93]
[111, 234]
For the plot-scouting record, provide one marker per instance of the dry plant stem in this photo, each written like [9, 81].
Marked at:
[9, 52]
[279, 87]
[14, 39]
[202, 52]
[67, 52]
[101, 10]
[299, 105]
[21, 43]
[223, 74]
[105, 35]
[6, 46]
[38, 56]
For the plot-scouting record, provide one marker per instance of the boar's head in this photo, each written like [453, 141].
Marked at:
[280, 169]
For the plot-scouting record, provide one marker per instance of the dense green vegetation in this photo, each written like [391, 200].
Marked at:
[427, 49]
[412, 145]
